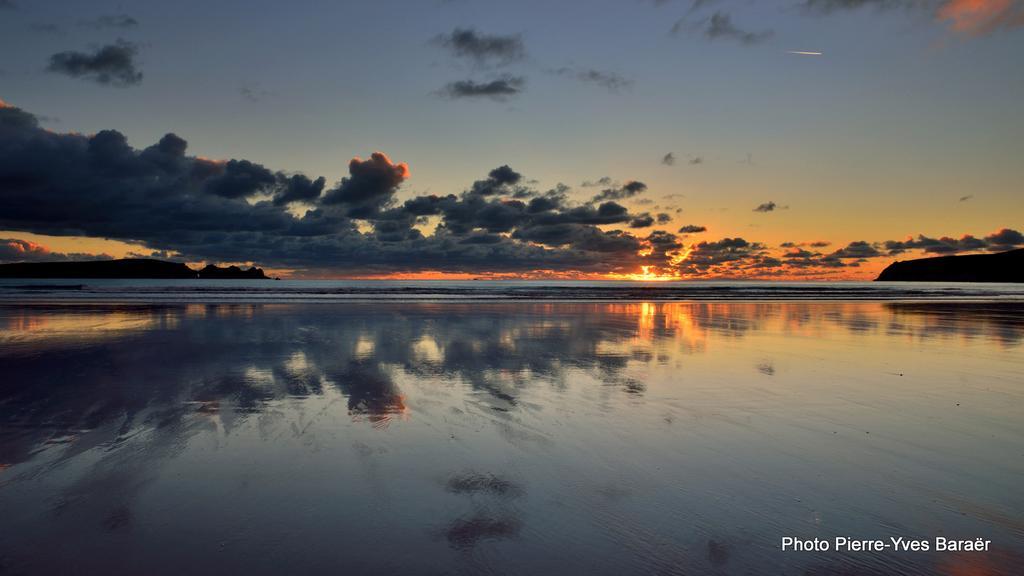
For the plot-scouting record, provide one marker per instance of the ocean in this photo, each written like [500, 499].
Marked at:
[343, 290]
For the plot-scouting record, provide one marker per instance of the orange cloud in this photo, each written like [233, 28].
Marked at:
[4, 104]
[979, 17]
[380, 159]
[17, 250]
[23, 247]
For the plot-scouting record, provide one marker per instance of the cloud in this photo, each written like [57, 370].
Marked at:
[611, 81]
[499, 89]
[729, 256]
[692, 229]
[857, 249]
[769, 207]
[113, 64]
[168, 201]
[369, 187]
[968, 17]
[720, 25]
[602, 181]
[499, 180]
[1004, 239]
[966, 198]
[830, 6]
[695, 5]
[7, 5]
[241, 211]
[642, 221]
[253, 92]
[482, 49]
[979, 17]
[238, 178]
[668, 159]
[299, 188]
[112, 21]
[45, 28]
[627, 190]
[16, 250]
[998, 241]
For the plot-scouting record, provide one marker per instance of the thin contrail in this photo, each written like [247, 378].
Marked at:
[805, 53]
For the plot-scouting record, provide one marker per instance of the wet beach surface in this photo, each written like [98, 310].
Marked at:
[508, 437]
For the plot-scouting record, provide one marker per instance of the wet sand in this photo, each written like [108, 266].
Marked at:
[508, 438]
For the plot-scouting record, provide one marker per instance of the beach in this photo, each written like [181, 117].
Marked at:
[451, 436]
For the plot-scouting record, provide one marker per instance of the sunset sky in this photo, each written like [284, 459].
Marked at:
[598, 139]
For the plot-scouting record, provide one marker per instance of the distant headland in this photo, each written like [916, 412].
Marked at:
[1001, 267]
[143, 268]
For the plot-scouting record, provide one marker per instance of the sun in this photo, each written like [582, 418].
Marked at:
[646, 274]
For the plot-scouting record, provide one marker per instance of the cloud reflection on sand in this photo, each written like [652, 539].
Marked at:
[70, 370]
[635, 410]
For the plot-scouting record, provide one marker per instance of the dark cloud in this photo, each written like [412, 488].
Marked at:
[729, 256]
[169, 202]
[695, 160]
[966, 198]
[720, 25]
[482, 49]
[499, 89]
[112, 21]
[668, 159]
[253, 92]
[830, 6]
[299, 188]
[642, 221]
[7, 5]
[370, 186]
[692, 229]
[241, 211]
[501, 180]
[663, 218]
[611, 81]
[800, 253]
[769, 207]
[239, 178]
[584, 238]
[798, 259]
[45, 28]
[602, 181]
[113, 64]
[1004, 239]
[662, 245]
[627, 190]
[696, 5]
[857, 249]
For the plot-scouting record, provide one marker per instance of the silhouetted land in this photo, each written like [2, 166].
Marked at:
[1002, 267]
[125, 268]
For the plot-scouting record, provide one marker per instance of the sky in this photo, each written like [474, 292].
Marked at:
[645, 139]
